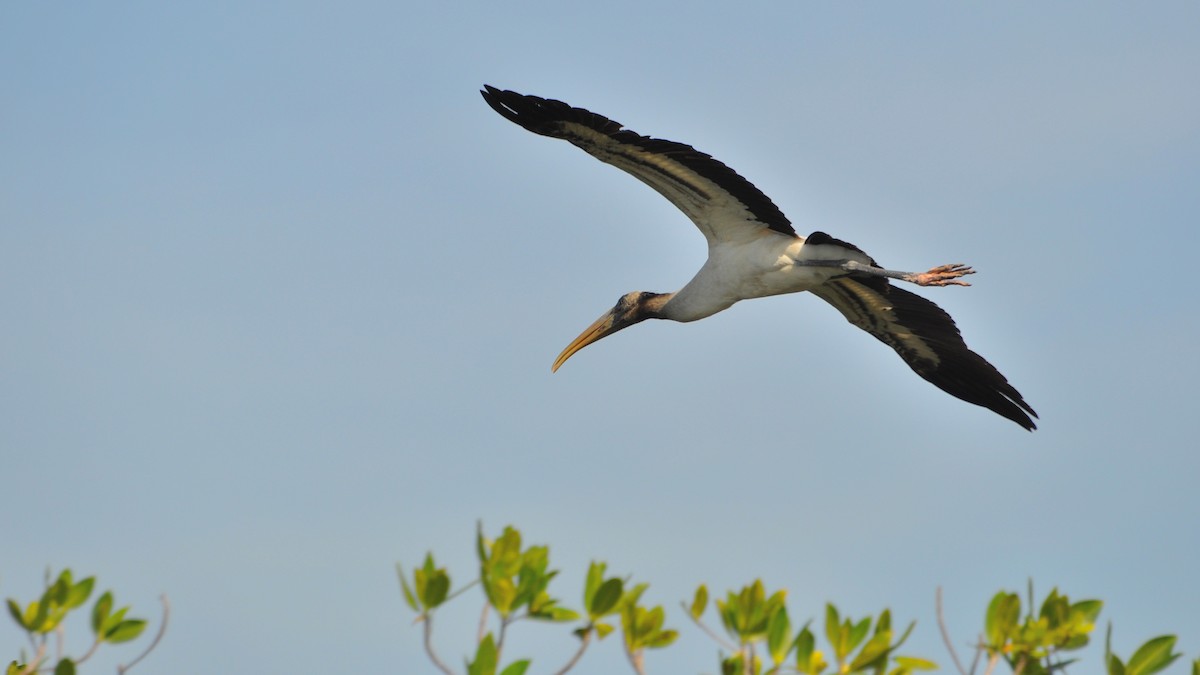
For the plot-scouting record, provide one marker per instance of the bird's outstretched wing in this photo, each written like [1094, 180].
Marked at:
[725, 206]
[926, 338]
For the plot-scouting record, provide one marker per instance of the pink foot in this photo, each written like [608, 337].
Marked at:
[943, 275]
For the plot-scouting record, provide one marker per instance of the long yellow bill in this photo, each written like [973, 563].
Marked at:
[605, 325]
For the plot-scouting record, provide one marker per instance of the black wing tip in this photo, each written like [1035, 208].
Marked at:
[542, 116]
[510, 105]
[1023, 416]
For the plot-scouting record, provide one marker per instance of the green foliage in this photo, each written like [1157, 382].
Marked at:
[642, 626]
[1035, 643]
[46, 615]
[1153, 656]
[757, 625]
[515, 579]
[753, 619]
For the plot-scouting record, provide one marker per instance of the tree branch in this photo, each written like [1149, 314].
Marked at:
[941, 619]
[583, 645]
[162, 629]
[504, 621]
[717, 638]
[428, 620]
[38, 657]
[483, 617]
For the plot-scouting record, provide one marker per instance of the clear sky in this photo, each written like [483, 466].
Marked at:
[280, 297]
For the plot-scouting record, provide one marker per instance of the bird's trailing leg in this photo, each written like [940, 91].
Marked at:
[942, 275]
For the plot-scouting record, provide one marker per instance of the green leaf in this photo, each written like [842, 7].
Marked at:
[779, 635]
[408, 592]
[61, 588]
[595, 577]
[34, 615]
[101, 611]
[913, 663]
[1002, 615]
[15, 610]
[632, 596]
[857, 633]
[833, 626]
[125, 631]
[699, 602]
[662, 639]
[1153, 656]
[606, 598]
[502, 593]
[805, 644]
[485, 658]
[65, 667]
[1088, 610]
[602, 629]
[516, 668]
[480, 543]
[437, 587]
[505, 558]
[80, 592]
[876, 648]
[1115, 667]
[557, 614]
[114, 619]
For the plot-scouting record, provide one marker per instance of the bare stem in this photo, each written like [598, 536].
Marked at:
[91, 650]
[428, 620]
[162, 629]
[504, 621]
[483, 617]
[941, 619]
[978, 655]
[583, 645]
[36, 662]
[717, 638]
[460, 591]
[991, 665]
[636, 660]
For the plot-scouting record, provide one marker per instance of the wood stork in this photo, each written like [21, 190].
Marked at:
[753, 252]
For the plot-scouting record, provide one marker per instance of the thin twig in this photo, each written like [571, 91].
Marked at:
[978, 655]
[583, 645]
[941, 619]
[162, 629]
[504, 621]
[460, 591]
[91, 650]
[636, 659]
[719, 640]
[32, 666]
[483, 617]
[992, 661]
[429, 645]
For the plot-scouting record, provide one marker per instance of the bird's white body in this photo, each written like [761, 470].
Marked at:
[756, 267]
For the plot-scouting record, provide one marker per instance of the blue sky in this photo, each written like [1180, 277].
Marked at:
[281, 295]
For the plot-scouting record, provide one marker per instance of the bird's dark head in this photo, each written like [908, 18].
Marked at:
[631, 308]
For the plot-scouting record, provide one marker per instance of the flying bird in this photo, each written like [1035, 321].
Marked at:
[754, 252]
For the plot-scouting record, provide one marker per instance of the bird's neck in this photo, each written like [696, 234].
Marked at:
[655, 306]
